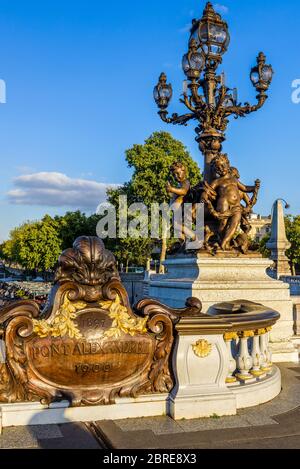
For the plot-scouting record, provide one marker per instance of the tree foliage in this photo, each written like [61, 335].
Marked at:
[263, 246]
[34, 245]
[37, 245]
[151, 164]
[293, 234]
[75, 224]
[292, 225]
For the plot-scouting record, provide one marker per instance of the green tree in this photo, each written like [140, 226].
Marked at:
[37, 245]
[34, 245]
[8, 251]
[292, 225]
[293, 234]
[151, 164]
[263, 247]
[75, 224]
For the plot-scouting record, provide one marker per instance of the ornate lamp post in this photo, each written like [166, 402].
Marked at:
[206, 95]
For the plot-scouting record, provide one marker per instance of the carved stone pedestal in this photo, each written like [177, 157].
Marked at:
[229, 277]
[91, 356]
[201, 367]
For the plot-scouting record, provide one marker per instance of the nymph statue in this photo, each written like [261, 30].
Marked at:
[223, 198]
[227, 206]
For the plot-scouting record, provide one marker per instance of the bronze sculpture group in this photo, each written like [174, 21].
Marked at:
[89, 345]
[210, 102]
[226, 202]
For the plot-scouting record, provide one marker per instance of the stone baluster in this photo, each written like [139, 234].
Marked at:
[229, 337]
[264, 347]
[257, 355]
[269, 352]
[244, 360]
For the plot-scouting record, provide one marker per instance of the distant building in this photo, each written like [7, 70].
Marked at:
[261, 227]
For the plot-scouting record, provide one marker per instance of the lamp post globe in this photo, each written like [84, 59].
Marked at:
[209, 101]
[211, 34]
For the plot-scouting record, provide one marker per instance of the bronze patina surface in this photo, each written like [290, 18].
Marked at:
[88, 346]
[227, 207]
[206, 95]
[211, 103]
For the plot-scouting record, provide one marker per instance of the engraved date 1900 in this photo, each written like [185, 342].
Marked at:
[83, 368]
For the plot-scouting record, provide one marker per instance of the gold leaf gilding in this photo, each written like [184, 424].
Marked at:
[228, 336]
[123, 323]
[202, 348]
[62, 325]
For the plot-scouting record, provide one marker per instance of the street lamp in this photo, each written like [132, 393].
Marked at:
[163, 92]
[261, 75]
[206, 95]
[193, 62]
[287, 205]
[211, 34]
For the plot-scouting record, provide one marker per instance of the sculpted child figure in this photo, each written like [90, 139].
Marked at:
[223, 198]
[178, 193]
[249, 203]
[178, 198]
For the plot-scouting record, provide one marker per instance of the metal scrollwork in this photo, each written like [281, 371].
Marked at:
[88, 346]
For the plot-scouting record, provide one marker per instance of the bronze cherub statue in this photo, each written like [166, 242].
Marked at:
[223, 198]
[227, 206]
[179, 196]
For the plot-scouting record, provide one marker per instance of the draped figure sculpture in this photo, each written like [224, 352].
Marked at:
[227, 203]
[224, 196]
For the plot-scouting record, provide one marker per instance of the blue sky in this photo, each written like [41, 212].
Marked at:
[79, 79]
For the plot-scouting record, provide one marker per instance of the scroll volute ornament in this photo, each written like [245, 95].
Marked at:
[87, 346]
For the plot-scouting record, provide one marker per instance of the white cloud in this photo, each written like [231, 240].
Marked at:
[53, 189]
[221, 8]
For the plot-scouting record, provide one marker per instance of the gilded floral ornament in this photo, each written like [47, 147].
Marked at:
[63, 324]
[202, 348]
[123, 323]
[229, 336]
[246, 334]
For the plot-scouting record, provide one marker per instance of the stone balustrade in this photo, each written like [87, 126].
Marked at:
[223, 361]
[149, 360]
[249, 354]
[247, 341]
